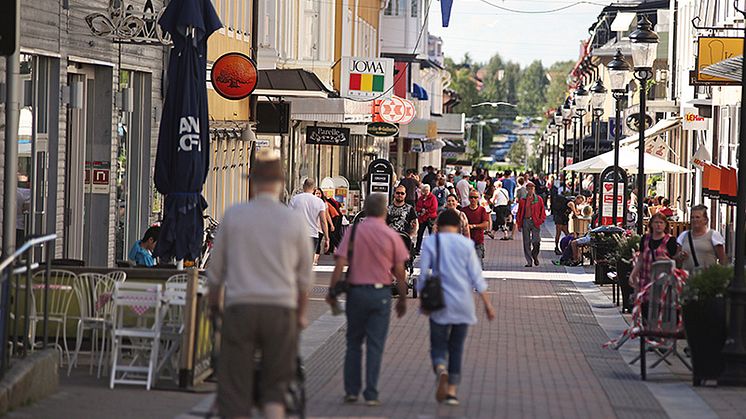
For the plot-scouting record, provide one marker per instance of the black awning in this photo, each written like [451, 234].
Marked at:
[454, 146]
[286, 81]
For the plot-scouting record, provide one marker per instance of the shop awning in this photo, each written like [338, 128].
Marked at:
[730, 68]
[419, 92]
[333, 110]
[657, 129]
[290, 83]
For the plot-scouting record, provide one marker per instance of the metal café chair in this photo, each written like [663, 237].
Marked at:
[60, 293]
[94, 292]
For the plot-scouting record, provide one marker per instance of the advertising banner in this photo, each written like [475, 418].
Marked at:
[366, 78]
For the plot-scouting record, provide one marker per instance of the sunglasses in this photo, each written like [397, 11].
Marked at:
[473, 197]
[400, 193]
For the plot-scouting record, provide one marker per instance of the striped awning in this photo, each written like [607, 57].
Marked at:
[730, 68]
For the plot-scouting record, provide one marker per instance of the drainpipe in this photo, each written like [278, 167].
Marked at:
[12, 109]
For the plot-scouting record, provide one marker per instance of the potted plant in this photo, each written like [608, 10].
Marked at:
[628, 245]
[703, 305]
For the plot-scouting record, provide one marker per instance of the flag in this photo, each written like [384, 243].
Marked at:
[445, 11]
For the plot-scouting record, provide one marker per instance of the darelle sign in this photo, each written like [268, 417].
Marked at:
[328, 136]
[366, 78]
[692, 121]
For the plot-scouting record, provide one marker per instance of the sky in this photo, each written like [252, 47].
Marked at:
[482, 30]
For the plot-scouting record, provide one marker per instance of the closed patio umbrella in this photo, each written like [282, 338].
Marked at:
[183, 154]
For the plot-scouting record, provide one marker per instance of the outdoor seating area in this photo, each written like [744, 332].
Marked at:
[128, 330]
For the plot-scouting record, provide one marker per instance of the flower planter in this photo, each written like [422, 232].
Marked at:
[704, 322]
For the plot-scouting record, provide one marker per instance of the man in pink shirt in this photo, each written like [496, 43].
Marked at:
[374, 258]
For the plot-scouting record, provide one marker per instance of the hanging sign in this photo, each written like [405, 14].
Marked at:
[328, 135]
[700, 157]
[380, 176]
[366, 78]
[382, 129]
[234, 76]
[657, 147]
[712, 50]
[394, 110]
[692, 121]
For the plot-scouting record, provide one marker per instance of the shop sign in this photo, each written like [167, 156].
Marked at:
[97, 177]
[366, 78]
[657, 147]
[234, 76]
[692, 121]
[328, 135]
[380, 175]
[261, 144]
[382, 129]
[633, 121]
[700, 157]
[712, 50]
[608, 195]
[394, 110]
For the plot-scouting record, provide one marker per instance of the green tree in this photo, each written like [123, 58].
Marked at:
[517, 153]
[531, 87]
[557, 90]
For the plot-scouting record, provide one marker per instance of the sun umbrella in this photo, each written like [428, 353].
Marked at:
[628, 160]
[182, 158]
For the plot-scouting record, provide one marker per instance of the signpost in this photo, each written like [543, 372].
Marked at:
[609, 195]
[380, 177]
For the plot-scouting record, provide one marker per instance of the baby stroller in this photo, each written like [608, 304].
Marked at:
[409, 265]
[295, 397]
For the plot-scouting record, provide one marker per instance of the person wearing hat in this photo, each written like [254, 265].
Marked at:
[263, 260]
[530, 217]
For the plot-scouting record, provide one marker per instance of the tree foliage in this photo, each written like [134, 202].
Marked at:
[531, 85]
[557, 89]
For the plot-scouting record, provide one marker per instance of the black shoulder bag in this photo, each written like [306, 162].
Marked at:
[691, 247]
[431, 297]
[343, 285]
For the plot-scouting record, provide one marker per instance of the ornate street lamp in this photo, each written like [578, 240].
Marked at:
[734, 351]
[566, 119]
[550, 137]
[598, 96]
[618, 74]
[582, 98]
[557, 125]
[644, 43]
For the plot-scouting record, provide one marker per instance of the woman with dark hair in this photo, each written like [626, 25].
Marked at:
[333, 219]
[656, 245]
[452, 204]
[452, 257]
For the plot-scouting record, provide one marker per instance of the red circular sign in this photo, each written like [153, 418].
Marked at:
[234, 76]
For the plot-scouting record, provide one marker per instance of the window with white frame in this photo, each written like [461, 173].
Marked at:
[395, 8]
[311, 38]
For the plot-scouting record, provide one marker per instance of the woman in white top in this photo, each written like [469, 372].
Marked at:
[708, 245]
[481, 184]
[501, 201]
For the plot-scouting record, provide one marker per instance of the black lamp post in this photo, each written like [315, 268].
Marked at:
[582, 98]
[557, 124]
[618, 72]
[598, 96]
[644, 43]
[734, 351]
[566, 119]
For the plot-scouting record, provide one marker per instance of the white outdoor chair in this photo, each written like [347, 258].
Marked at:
[60, 293]
[94, 292]
[140, 336]
[118, 276]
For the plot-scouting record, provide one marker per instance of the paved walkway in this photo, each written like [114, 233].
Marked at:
[541, 357]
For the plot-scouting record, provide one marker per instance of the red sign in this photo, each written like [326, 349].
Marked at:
[234, 76]
[394, 110]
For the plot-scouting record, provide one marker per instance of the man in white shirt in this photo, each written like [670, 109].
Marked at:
[313, 210]
[462, 189]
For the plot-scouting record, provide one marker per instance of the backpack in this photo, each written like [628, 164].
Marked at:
[441, 194]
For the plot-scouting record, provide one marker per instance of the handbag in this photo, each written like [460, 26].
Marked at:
[431, 296]
[691, 247]
[343, 285]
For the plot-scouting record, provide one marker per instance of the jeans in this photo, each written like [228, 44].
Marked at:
[368, 313]
[531, 240]
[480, 252]
[447, 348]
[421, 233]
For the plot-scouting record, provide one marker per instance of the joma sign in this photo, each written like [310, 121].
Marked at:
[366, 78]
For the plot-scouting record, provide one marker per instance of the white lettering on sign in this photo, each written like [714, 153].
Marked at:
[189, 134]
[367, 66]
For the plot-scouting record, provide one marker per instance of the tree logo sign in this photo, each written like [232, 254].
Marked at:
[234, 76]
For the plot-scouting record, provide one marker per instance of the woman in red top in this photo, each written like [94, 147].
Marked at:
[530, 217]
[427, 212]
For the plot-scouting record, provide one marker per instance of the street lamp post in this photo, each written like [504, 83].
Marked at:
[582, 98]
[566, 119]
[618, 71]
[644, 44]
[557, 124]
[598, 96]
[734, 351]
